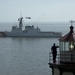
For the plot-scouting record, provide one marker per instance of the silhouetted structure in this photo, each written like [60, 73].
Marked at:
[66, 62]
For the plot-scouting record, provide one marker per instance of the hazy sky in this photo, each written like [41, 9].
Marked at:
[38, 10]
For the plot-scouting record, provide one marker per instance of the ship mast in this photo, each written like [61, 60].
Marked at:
[20, 22]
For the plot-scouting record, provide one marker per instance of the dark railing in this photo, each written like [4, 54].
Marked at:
[67, 57]
[51, 58]
[64, 57]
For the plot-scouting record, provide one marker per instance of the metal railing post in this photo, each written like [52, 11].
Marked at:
[57, 57]
[71, 57]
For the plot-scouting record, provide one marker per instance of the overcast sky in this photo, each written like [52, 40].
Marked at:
[38, 10]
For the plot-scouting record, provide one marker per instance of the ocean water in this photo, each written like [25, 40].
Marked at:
[28, 56]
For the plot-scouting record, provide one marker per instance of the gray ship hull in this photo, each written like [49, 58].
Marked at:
[39, 34]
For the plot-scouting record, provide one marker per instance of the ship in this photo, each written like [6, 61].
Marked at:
[29, 31]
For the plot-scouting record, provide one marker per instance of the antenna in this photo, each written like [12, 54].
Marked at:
[72, 22]
[21, 14]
